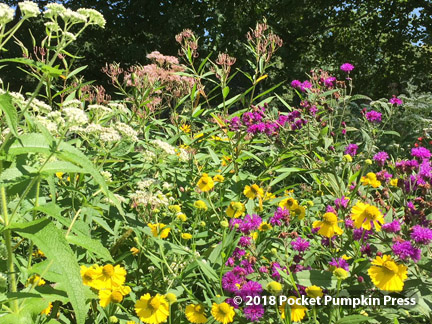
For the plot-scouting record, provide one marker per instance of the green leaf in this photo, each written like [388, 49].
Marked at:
[10, 112]
[214, 156]
[353, 319]
[61, 166]
[225, 92]
[91, 245]
[287, 172]
[53, 244]
[322, 279]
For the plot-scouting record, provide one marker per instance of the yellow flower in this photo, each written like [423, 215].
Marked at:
[346, 257]
[109, 278]
[185, 128]
[394, 182]
[386, 274]
[186, 236]
[195, 313]
[274, 287]
[347, 158]
[47, 310]
[235, 209]
[159, 229]
[254, 235]
[265, 227]
[182, 217]
[298, 312]
[152, 310]
[59, 174]
[199, 204]
[35, 280]
[269, 196]
[289, 203]
[107, 296]
[198, 136]
[218, 178]
[226, 160]
[175, 208]
[223, 313]
[366, 216]
[371, 180]
[134, 251]
[253, 191]
[205, 183]
[328, 226]
[368, 161]
[314, 291]
[89, 274]
[340, 273]
[300, 212]
[38, 254]
[171, 298]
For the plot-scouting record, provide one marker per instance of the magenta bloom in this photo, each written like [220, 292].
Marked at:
[421, 235]
[380, 158]
[281, 214]
[339, 263]
[253, 312]
[405, 250]
[305, 85]
[351, 149]
[373, 116]
[341, 202]
[250, 288]
[396, 101]
[392, 227]
[421, 153]
[300, 244]
[347, 67]
[296, 84]
[329, 82]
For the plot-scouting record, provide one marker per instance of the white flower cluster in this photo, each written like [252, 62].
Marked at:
[54, 10]
[94, 17]
[118, 106]
[183, 154]
[72, 103]
[147, 183]
[100, 109]
[169, 149]
[18, 99]
[50, 125]
[109, 135]
[127, 131]
[107, 176]
[110, 201]
[6, 14]
[29, 9]
[75, 116]
[148, 156]
[144, 198]
[39, 106]
[52, 26]
[73, 16]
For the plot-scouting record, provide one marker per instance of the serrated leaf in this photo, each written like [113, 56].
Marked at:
[91, 245]
[51, 241]
[10, 112]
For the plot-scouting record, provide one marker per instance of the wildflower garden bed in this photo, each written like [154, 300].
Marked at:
[183, 202]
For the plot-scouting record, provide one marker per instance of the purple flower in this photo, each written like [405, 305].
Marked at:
[366, 249]
[380, 158]
[253, 312]
[296, 84]
[238, 253]
[396, 101]
[230, 301]
[331, 209]
[349, 223]
[421, 153]
[351, 149]
[300, 244]
[383, 175]
[234, 123]
[250, 288]
[305, 85]
[405, 250]
[263, 269]
[339, 263]
[360, 232]
[248, 266]
[279, 215]
[230, 282]
[245, 241]
[347, 67]
[392, 227]
[341, 202]
[373, 116]
[421, 235]
[230, 262]
[329, 82]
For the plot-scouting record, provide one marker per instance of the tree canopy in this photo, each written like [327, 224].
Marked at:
[389, 42]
